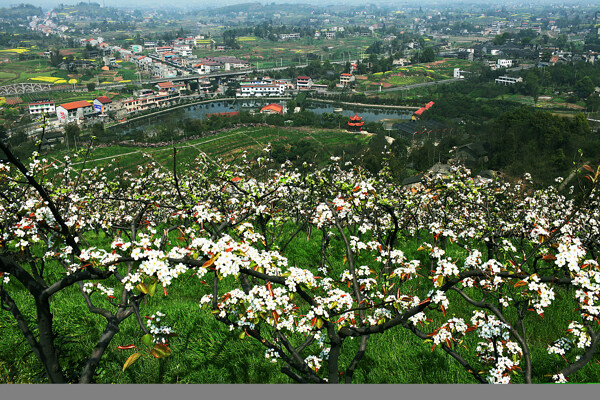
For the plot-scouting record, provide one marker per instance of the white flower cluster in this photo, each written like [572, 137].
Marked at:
[131, 280]
[229, 256]
[543, 294]
[492, 266]
[580, 334]
[488, 326]
[408, 269]
[587, 281]
[98, 257]
[322, 215]
[444, 334]
[313, 362]
[120, 244]
[559, 378]
[299, 276]
[337, 300]
[205, 213]
[500, 372]
[473, 260]
[272, 355]
[445, 267]
[380, 315]
[560, 347]
[89, 287]
[492, 351]
[247, 232]
[569, 254]
[159, 332]
[438, 297]
[157, 265]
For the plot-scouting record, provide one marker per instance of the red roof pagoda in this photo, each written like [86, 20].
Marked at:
[355, 123]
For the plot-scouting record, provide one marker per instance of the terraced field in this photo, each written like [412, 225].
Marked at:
[227, 145]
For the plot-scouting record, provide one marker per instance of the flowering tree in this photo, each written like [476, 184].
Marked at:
[493, 260]
[45, 224]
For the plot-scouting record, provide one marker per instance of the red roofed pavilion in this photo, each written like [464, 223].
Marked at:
[355, 123]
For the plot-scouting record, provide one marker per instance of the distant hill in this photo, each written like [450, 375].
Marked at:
[22, 11]
[258, 7]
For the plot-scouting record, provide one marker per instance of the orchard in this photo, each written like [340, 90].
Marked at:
[500, 277]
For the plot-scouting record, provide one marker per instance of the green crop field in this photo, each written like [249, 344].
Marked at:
[418, 73]
[228, 145]
[267, 54]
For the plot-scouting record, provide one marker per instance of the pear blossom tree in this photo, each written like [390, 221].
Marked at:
[43, 247]
[490, 263]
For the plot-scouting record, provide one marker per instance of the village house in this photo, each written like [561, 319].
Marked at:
[508, 80]
[288, 36]
[42, 107]
[503, 63]
[319, 88]
[150, 102]
[184, 50]
[206, 67]
[143, 92]
[74, 111]
[303, 82]
[169, 87]
[346, 79]
[260, 89]
[204, 86]
[226, 63]
[103, 105]
[163, 49]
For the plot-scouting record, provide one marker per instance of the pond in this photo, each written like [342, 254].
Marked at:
[200, 111]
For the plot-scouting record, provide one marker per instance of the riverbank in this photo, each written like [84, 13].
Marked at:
[365, 105]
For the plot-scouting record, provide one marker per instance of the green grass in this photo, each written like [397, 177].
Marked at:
[268, 53]
[205, 351]
[227, 145]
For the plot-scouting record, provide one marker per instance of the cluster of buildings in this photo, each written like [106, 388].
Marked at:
[277, 87]
[165, 61]
[46, 25]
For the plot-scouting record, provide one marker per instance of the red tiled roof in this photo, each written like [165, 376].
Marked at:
[355, 118]
[420, 111]
[346, 74]
[272, 107]
[104, 99]
[165, 85]
[75, 105]
[304, 78]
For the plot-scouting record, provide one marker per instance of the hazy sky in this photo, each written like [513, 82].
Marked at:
[47, 4]
[211, 3]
